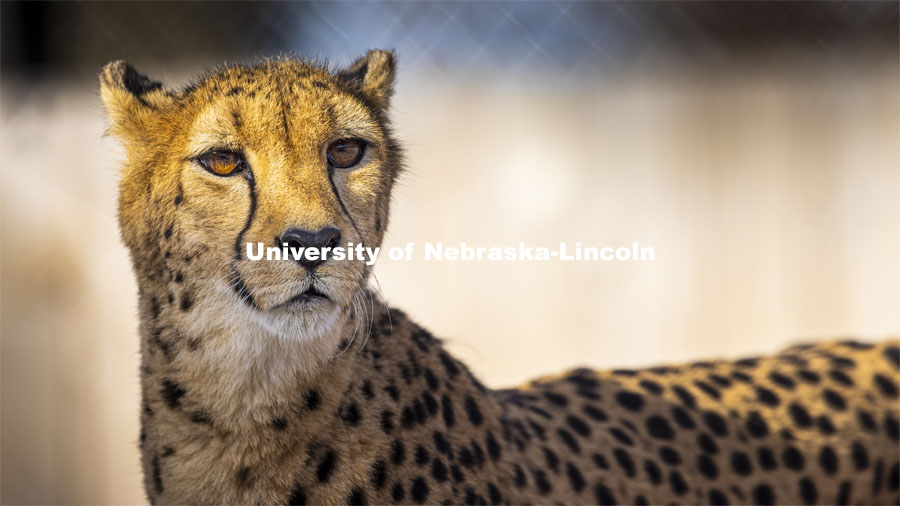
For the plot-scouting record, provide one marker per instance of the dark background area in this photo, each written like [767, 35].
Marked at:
[46, 39]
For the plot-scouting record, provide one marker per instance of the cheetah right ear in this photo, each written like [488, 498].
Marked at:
[132, 101]
[373, 74]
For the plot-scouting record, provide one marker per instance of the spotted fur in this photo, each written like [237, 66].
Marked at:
[250, 397]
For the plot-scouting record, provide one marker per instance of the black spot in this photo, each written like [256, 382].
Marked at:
[466, 457]
[720, 380]
[421, 455]
[739, 376]
[707, 467]
[576, 479]
[792, 458]
[867, 421]
[686, 397]
[877, 477]
[860, 456]
[398, 452]
[781, 380]
[842, 362]
[717, 498]
[439, 470]
[808, 376]
[676, 481]
[651, 386]
[419, 490]
[157, 475]
[312, 400]
[834, 400]
[640, 501]
[887, 387]
[326, 467]
[715, 423]
[449, 364]
[456, 473]
[172, 393]
[682, 418]
[624, 461]
[799, 415]
[708, 389]
[828, 460]
[447, 409]
[578, 425]
[892, 426]
[569, 440]
[179, 277]
[543, 485]
[747, 362]
[808, 491]
[393, 392]
[604, 495]
[551, 458]
[519, 477]
[843, 497]
[367, 391]
[630, 400]
[557, 399]
[707, 444]
[349, 413]
[763, 495]
[298, 497]
[669, 456]
[168, 232]
[186, 301]
[893, 477]
[766, 396]
[741, 464]
[892, 354]
[430, 379]
[279, 423]
[824, 424]
[766, 459]
[621, 436]
[659, 428]
[840, 377]
[473, 412]
[653, 472]
[398, 493]
[387, 422]
[595, 413]
[494, 494]
[356, 497]
[756, 425]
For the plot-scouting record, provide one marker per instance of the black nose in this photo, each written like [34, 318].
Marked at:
[327, 237]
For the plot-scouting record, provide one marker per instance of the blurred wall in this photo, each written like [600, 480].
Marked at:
[755, 146]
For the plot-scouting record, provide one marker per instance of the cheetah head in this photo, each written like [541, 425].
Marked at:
[282, 152]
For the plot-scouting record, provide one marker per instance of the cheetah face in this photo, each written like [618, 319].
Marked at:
[281, 153]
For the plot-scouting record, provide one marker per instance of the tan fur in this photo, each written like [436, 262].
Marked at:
[250, 399]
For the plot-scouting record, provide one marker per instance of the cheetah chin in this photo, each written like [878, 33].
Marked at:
[258, 391]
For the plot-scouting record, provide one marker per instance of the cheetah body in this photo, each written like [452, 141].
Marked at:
[249, 397]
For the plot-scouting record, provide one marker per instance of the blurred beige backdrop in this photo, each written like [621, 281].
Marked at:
[770, 192]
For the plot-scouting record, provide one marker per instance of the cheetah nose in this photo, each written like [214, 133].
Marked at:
[327, 237]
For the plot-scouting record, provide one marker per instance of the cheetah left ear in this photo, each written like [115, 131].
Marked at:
[373, 74]
[132, 101]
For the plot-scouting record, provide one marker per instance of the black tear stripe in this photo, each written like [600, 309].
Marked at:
[239, 286]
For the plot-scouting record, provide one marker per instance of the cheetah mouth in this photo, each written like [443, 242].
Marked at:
[308, 296]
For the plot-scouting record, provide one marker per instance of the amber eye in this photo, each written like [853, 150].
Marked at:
[345, 152]
[221, 162]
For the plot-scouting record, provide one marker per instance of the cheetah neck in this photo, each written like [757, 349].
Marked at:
[226, 368]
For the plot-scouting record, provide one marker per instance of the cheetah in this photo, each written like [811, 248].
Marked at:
[264, 383]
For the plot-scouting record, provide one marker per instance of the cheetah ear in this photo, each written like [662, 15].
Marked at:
[132, 101]
[373, 74]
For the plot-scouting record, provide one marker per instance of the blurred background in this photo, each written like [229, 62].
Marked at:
[753, 145]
